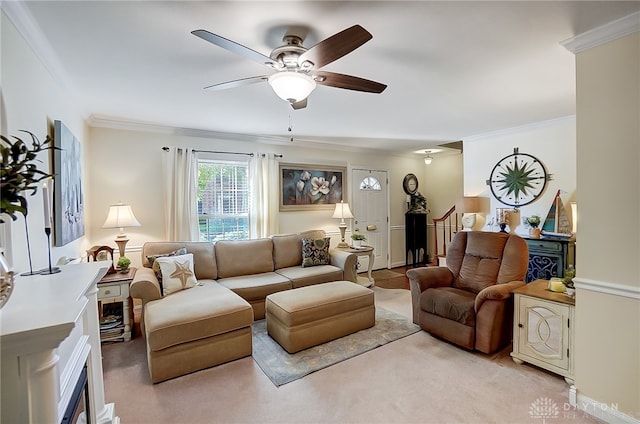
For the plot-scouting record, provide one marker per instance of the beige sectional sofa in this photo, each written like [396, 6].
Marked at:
[210, 323]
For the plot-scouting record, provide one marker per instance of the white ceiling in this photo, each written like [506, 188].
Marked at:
[453, 69]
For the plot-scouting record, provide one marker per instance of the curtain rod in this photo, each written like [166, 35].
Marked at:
[166, 149]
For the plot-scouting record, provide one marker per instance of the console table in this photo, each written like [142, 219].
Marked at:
[549, 257]
[49, 332]
[542, 329]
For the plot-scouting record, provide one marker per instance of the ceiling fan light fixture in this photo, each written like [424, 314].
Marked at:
[292, 86]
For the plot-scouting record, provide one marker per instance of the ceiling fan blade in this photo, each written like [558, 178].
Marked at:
[237, 83]
[349, 82]
[336, 46]
[299, 105]
[234, 47]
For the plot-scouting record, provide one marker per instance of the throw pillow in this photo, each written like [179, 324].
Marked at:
[177, 273]
[315, 252]
[156, 268]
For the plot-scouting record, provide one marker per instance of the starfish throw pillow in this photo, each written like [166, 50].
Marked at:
[177, 273]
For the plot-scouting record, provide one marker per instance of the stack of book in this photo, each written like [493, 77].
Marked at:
[111, 328]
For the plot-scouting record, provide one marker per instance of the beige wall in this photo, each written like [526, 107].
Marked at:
[552, 142]
[34, 100]
[608, 279]
[126, 166]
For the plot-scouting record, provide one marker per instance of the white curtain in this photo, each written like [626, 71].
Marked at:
[263, 214]
[180, 170]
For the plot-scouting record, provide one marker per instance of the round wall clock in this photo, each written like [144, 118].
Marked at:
[410, 184]
[518, 179]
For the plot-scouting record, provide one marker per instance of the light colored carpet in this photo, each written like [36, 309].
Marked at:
[282, 367]
[417, 379]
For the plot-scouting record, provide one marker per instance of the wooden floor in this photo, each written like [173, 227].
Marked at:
[399, 282]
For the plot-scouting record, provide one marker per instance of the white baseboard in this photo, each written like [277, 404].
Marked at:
[606, 412]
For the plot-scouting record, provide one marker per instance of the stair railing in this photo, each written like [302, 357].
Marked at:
[444, 228]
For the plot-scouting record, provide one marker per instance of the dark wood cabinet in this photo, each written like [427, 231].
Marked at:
[416, 237]
[549, 257]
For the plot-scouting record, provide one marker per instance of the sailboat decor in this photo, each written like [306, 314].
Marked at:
[556, 224]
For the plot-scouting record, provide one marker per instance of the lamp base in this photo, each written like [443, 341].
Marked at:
[121, 242]
[342, 245]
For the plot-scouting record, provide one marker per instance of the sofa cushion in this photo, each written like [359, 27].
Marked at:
[301, 277]
[256, 286]
[203, 311]
[244, 257]
[177, 273]
[450, 303]
[315, 252]
[204, 259]
[287, 250]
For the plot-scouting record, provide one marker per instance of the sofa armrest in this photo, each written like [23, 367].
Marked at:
[346, 261]
[496, 292]
[145, 285]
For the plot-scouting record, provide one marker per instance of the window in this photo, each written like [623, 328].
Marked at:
[223, 199]
[370, 183]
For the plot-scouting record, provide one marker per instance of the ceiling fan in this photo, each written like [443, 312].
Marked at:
[298, 67]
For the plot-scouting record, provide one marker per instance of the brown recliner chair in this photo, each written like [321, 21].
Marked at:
[469, 302]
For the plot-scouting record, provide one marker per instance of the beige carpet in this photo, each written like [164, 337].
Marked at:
[417, 379]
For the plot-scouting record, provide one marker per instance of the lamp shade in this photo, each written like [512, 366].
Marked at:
[120, 216]
[342, 211]
[292, 86]
[468, 204]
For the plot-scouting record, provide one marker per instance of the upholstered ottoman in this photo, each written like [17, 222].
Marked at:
[196, 329]
[308, 316]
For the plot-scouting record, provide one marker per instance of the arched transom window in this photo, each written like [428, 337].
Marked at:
[370, 183]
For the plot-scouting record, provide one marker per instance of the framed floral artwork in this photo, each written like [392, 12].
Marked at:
[311, 187]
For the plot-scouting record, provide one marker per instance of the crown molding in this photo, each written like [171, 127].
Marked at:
[603, 34]
[26, 25]
[520, 129]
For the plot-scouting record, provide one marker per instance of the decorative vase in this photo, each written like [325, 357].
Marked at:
[534, 232]
[6, 280]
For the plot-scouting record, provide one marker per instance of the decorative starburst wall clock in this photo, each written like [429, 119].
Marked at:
[518, 179]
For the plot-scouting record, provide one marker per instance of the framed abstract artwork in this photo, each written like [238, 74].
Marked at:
[68, 194]
[311, 187]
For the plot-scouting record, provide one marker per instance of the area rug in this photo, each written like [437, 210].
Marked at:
[282, 367]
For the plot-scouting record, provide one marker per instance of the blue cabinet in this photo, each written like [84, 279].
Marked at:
[549, 257]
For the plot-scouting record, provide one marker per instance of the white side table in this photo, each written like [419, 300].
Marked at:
[114, 287]
[364, 251]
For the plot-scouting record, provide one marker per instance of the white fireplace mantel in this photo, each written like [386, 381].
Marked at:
[48, 330]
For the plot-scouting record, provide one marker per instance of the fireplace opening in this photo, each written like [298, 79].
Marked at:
[79, 403]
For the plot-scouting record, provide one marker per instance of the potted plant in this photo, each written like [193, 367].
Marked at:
[19, 173]
[123, 264]
[534, 222]
[358, 239]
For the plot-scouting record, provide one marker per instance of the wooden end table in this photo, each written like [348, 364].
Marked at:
[113, 287]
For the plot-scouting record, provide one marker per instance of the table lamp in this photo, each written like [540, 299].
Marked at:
[121, 216]
[341, 212]
[468, 206]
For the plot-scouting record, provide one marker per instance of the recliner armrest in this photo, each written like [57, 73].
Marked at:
[145, 285]
[496, 292]
[420, 279]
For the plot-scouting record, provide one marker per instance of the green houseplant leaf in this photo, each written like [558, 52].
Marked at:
[19, 173]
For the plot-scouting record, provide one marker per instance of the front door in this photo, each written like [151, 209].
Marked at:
[370, 211]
